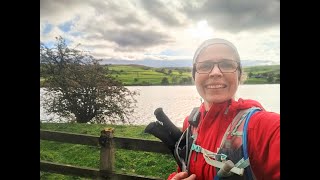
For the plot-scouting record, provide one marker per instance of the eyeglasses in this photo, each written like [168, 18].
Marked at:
[225, 66]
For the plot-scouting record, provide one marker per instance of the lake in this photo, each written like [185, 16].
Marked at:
[178, 101]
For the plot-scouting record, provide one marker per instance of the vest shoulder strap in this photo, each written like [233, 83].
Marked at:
[235, 146]
[248, 172]
[194, 116]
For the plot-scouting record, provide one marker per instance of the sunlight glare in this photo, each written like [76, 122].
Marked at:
[201, 30]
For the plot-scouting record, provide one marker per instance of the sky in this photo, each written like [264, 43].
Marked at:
[162, 29]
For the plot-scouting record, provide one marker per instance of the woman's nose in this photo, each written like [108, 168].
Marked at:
[215, 71]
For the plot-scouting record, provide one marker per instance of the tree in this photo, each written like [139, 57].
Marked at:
[186, 80]
[165, 81]
[270, 79]
[174, 79]
[81, 88]
[163, 70]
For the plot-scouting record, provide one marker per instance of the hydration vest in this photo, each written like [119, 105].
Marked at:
[231, 160]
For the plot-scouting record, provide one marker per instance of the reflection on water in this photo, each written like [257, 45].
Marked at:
[178, 101]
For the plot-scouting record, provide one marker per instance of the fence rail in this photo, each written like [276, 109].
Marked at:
[90, 140]
[107, 143]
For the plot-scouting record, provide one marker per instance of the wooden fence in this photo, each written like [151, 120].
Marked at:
[107, 143]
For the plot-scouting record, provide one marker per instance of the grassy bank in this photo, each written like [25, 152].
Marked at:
[133, 162]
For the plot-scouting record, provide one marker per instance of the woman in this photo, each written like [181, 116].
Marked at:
[217, 74]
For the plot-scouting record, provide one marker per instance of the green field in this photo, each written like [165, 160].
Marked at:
[138, 75]
[262, 74]
[126, 161]
[143, 75]
[263, 69]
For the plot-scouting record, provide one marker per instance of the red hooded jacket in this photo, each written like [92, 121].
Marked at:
[263, 139]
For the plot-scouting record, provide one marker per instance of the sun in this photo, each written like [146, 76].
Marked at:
[201, 30]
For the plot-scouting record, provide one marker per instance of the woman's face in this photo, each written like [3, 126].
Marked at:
[215, 86]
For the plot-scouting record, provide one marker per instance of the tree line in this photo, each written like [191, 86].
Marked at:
[270, 77]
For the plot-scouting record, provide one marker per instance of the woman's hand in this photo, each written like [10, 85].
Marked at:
[184, 175]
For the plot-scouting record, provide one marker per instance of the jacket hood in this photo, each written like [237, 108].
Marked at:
[234, 105]
[245, 104]
[226, 110]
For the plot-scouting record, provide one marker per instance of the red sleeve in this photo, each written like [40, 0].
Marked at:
[174, 173]
[185, 124]
[171, 175]
[264, 145]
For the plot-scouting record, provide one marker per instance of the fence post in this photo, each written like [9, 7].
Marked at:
[106, 153]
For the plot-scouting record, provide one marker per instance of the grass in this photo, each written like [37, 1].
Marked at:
[142, 75]
[138, 75]
[126, 161]
[269, 74]
[256, 81]
[263, 69]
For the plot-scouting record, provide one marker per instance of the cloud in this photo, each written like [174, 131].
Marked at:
[235, 16]
[139, 38]
[59, 11]
[131, 29]
[160, 10]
